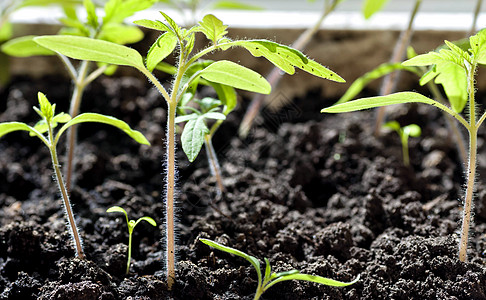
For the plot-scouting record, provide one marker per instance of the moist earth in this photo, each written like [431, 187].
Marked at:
[317, 193]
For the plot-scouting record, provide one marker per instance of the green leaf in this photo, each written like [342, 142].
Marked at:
[46, 108]
[186, 118]
[121, 210]
[207, 104]
[83, 48]
[454, 80]
[372, 102]
[62, 118]
[227, 95]
[287, 58]
[117, 11]
[91, 11]
[117, 209]
[176, 29]
[412, 130]
[97, 118]
[166, 68]
[164, 46]
[222, 4]
[25, 47]
[214, 116]
[478, 46]
[232, 74]
[363, 81]
[427, 59]
[147, 219]
[121, 34]
[192, 137]
[156, 25]
[311, 278]
[268, 269]
[6, 31]
[213, 28]
[393, 125]
[9, 127]
[428, 76]
[370, 7]
[254, 262]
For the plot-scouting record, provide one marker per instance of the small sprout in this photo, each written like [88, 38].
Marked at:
[404, 132]
[131, 225]
[270, 278]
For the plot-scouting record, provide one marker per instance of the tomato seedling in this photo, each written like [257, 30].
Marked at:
[131, 225]
[411, 130]
[187, 75]
[271, 278]
[455, 69]
[49, 120]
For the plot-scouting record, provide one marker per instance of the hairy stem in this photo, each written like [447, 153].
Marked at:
[471, 169]
[65, 196]
[71, 141]
[390, 81]
[170, 196]
[466, 217]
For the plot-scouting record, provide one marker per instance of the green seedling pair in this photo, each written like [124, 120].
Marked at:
[270, 278]
[411, 130]
[131, 226]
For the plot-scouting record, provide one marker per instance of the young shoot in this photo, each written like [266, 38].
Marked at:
[109, 27]
[411, 130]
[270, 278]
[197, 131]
[187, 75]
[131, 225]
[44, 130]
[455, 69]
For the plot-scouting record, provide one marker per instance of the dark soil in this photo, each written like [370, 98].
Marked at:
[308, 191]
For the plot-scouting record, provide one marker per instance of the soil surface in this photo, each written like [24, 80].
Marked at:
[318, 193]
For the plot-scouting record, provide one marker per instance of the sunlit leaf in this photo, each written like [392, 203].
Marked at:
[370, 7]
[121, 34]
[213, 28]
[360, 83]
[25, 47]
[372, 102]
[97, 118]
[192, 137]
[164, 46]
[235, 75]
[83, 48]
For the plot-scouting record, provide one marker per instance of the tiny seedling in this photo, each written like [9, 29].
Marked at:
[131, 225]
[455, 69]
[271, 278]
[110, 27]
[190, 69]
[49, 120]
[411, 130]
